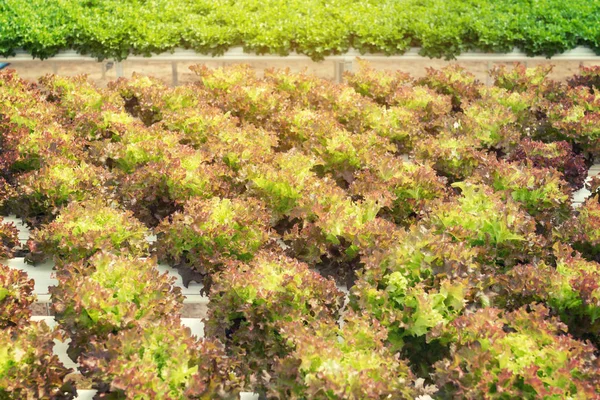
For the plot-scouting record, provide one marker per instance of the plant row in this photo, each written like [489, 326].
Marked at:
[441, 28]
[470, 274]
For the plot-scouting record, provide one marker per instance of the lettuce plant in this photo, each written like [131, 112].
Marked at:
[23, 111]
[9, 239]
[455, 157]
[43, 192]
[396, 124]
[593, 185]
[299, 88]
[16, 296]
[416, 284]
[429, 108]
[110, 123]
[145, 193]
[190, 175]
[421, 255]
[335, 226]
[541, 191]
[30, 129]
[378, 85]
[164, 360]
[339, 150]
[160, 188]
[199, 123]
[520, 354]
[248, 302]
[557, 155]
[413, 311]
[341, 102]
[404, 188]
[337, 256]
[497, 227]
[28, 148]
[76, 94]
[492, 124]
[136, 150]
[588, 77]
[241, 146]
[519, 78]
[237, 90]
[208, 233]
[576, 118]
[440, 29]
[282, 183]
[575, 292]
[28, 368]
[301, 127]
[569, 288]
[342, 154]
[527, 106]
[583, 230]
[347, 362]
[107, 294]
[85, 228]
[22, 92]
[6, 191]
[454, 81]
[142, 95]
[90, 113]
[349, 108]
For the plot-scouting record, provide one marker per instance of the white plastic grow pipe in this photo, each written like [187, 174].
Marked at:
[580, 53]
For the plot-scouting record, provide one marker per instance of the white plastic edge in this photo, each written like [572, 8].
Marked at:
[579, 53]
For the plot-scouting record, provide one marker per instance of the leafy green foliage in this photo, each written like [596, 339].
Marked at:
[28, 367]
[107, 294]
[157, 189]
[522, 354]
[404, 189]
[570, 288]
[452, 156]
[541, 191]
[208, 233]
[439, 203]
[557, 155]
[415, 285]
[281, 183]
[29, 131]
[588, 77]
[113, 29]
[498, 228]
[520, 78]
[248, 303]
[593, 185]
[84, 228]
[9, 239]
[350, 362]
[16, 295]
[61, 181]
[162, 359]
[455, 81]
[378, 85]
[583, 230]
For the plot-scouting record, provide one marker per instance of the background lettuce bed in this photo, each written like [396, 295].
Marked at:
[442, 204]
[442, 28]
